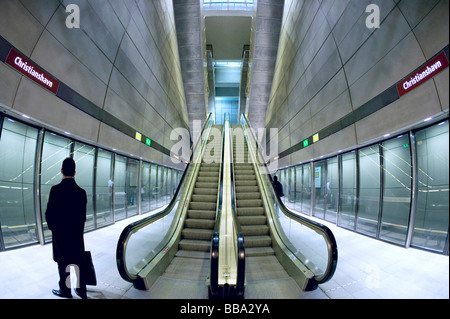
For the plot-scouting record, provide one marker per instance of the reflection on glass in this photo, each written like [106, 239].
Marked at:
[153, 186]
[145, 188]
[348, 193]
[332, 190]
[432, 213]
[397, 176]
[306, 189]
[132, 184]
[84, 157]
[297, 191]
[104, 188]
[55, 150]
[119, 188]
[17, 158]
[369, 191]
[320, 188]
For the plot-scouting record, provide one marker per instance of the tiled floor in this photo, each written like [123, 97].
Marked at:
[366, 268]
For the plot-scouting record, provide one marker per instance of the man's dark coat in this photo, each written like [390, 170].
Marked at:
[66, 215]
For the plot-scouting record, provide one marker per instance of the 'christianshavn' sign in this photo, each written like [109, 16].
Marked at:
[31, 71]
[432, 68]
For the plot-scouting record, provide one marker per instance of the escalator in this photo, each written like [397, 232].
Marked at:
[168, 254]
[226, 233]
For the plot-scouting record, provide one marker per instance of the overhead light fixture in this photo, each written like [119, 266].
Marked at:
[428, 119]
[387, 135]
[25, 116]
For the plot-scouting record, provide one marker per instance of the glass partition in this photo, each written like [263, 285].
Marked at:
[17, 167]
[84, 157]
[397, 189]
[332, 189]
[369, 191]
[347, 209]
[120, 195]
[432, 214]
[104, 188]
[55, 150]
[132, 187]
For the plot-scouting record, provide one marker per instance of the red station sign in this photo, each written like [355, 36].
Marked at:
[31, 71]
[420, 76]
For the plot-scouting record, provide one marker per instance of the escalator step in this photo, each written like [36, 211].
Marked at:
[199, 223]
[250, 211]
[197, 234]
[249, 195]
[195, 245]
[252, 220]
[257, 241]
[249, 203]
[202, 214]
[204, 198]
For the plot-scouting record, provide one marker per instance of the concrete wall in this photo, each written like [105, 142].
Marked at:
[330, 64]
[124, 59]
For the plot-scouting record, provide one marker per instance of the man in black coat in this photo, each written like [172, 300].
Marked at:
[66, 215]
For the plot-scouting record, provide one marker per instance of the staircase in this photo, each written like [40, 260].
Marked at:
[250, 209]
[201, 216]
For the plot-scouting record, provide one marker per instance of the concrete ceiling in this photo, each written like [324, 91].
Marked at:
[228, 35]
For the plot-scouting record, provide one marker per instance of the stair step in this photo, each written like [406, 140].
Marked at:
[247, 189]
[249, 195]
[197, 234]
[204, 198]
[252, 220]
[201, 214]
[259, 251]
[246, 183]
[200, 223]
[202, 206]
[245, 177]
[208, 179]
[207, 173]
[193, 254]
[257, 241]
[195, 245]
[206, 185]
[255, 230]
[250, 211]
[249, 203]
[205, 191]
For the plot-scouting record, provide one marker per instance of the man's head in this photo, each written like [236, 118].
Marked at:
[275, 178]
[68, 167]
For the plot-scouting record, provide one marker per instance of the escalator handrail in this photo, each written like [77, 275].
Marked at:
[214, 253]
[240, 280]
[133, 227]
[317, 227]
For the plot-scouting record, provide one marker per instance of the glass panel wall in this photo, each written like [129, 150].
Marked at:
[132, 187]
[397, 188]
[84, 157]
[17, 166]
[104, 188]
[55, 150]
[347, 209]
[145, 188]
[153, 186]
[332, 192]
[306, 189]
[120, 171]
[432, 213]
[369, 191]
[320, 189]
[111, 182]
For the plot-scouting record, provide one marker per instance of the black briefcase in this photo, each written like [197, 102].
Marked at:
[89, 270]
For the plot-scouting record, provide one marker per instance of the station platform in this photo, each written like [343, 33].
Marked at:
[367, 269]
